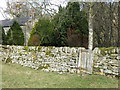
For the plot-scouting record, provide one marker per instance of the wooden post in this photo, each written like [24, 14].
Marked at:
[79, 61]
[90, 61]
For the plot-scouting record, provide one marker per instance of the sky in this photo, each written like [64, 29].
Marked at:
[3, 5]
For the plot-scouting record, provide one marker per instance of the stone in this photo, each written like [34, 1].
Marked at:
[101, 70]
[104, 67]
[113, 50]
[114, 55]
[111, 62]
[46, 70]
[115, 73]
[63, 59]
[60, 72]
[107, 71]
[118, 57]
[71, 71]
[115, 69]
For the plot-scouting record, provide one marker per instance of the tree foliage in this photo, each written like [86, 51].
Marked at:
[105, 24]
[70, 19]
[44, 29]
[15, 35]
[34, 8]
[67, 28]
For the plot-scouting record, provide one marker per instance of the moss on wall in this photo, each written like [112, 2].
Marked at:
[48, 52]
[44, 66]
[109, 48]
[105, 51]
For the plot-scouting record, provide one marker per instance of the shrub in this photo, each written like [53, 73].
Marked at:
[34, 40]
[44, 30]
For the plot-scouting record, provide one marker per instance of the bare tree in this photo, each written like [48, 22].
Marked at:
[90, 46]
[32, 8]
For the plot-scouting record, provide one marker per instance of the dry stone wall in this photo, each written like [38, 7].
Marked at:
[50, 59]
[106, 61]
[61, 59]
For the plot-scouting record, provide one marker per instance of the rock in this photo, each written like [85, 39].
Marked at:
[60, 72]
[46, 70]
[114, 55]
[113, 50]
[73, 50]
[111, 62]
[118, 57]
[115, 73]
[115, 69]
[107, 71]
[71, 71]
[104, 67]
[101, 70]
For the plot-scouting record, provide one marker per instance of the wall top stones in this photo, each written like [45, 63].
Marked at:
[104, 51]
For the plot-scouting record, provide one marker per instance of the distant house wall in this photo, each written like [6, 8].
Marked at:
[27, 30]
[6, 29]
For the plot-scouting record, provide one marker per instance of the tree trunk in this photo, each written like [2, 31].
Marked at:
[111, 18]
[119, 25]
[90, 46]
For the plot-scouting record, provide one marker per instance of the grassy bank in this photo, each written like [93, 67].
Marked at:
[16, 76]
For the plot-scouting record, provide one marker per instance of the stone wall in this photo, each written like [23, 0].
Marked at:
[57, 59]
[61, 59]
[106, 61]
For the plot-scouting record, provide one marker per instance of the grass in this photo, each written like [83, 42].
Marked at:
[17, 76]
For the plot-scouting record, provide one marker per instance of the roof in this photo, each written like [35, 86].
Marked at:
[9, 22]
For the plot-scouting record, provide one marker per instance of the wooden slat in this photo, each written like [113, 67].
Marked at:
[86, 60]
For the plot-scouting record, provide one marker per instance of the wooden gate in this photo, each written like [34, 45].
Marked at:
[85, 61]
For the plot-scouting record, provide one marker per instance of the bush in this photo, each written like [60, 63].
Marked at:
[44, 30]
[15, 35]
[35, 40]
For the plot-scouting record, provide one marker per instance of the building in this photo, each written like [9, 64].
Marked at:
[26, 24]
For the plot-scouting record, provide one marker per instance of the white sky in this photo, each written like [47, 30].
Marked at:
[3, 5]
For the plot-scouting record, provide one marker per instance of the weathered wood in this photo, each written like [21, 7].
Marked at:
[79, 61]
[85, 61]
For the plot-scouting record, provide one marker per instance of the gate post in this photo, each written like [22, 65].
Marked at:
[79, 60]
[90, 67]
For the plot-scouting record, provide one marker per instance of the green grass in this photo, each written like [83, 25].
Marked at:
[17, 76]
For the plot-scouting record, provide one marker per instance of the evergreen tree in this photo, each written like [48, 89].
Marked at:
[42, 29]
[70, 20]
[15, 35]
